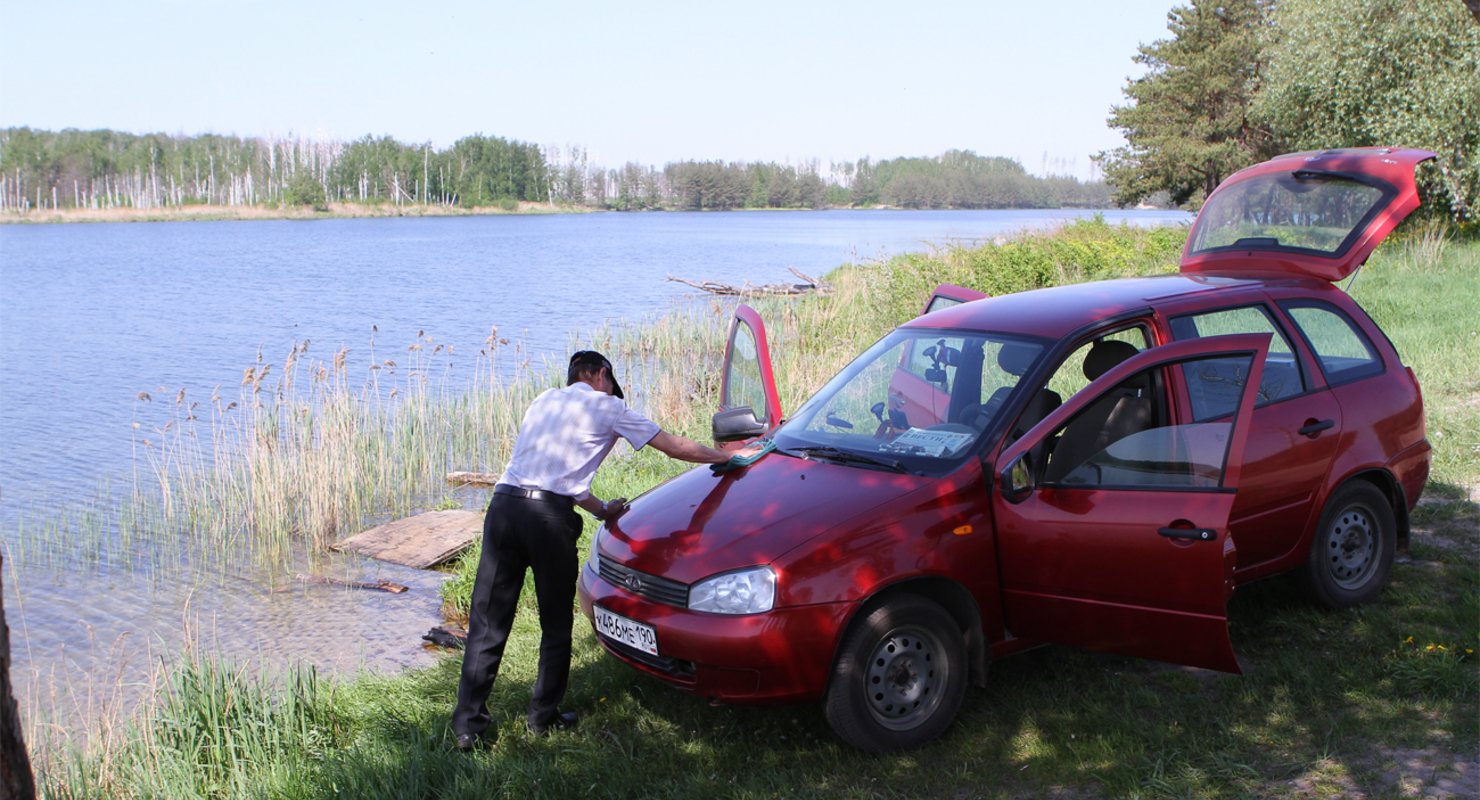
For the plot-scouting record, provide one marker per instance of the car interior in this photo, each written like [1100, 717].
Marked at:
[1125, 410]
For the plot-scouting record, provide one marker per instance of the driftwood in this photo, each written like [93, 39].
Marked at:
[419, 542]
[473, 478]
[751, 290]
[447, 636]
[379, 586]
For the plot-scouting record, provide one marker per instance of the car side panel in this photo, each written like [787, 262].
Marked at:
[1285, 475]
[1383, 414]
[1390, 435]
[940, 531]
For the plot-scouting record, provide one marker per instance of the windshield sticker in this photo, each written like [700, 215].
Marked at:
[930, 443]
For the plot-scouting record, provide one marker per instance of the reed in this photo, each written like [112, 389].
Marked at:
[215, 731]
[306, 454]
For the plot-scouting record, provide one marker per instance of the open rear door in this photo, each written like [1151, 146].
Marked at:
[747, 379]
[1127, 551]
[947, 295]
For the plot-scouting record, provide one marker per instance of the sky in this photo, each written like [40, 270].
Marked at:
[646, 81]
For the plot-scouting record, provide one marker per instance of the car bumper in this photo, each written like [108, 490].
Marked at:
[783, 655]
[1411, 468]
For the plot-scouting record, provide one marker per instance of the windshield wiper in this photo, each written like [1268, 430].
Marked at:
[847, 457]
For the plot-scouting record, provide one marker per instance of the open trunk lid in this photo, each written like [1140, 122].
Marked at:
[1315, 214]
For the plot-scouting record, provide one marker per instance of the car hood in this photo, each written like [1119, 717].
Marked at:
[1315, 215]
[700, 524]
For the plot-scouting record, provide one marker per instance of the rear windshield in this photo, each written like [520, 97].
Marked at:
[1310, 212]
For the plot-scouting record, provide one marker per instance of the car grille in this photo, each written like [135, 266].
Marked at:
[659, 590]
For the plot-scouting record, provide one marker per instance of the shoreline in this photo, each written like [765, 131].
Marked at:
[219, 213]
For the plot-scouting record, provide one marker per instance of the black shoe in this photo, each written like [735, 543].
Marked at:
[467, 742]
[563, 721]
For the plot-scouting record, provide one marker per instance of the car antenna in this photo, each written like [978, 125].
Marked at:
[1353, 278]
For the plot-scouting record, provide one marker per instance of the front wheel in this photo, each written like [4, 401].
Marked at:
[899, 678]
[1352, 552]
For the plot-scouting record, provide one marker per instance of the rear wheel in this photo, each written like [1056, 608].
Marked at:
[1352, 552]
[899, 678]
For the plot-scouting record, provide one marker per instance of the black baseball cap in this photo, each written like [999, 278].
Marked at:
[591, 361]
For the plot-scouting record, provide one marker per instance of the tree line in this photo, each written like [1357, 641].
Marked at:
[102, 169]
[111, 169]
[1240, 81]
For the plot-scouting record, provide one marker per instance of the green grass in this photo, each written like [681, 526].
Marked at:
[1381, 701]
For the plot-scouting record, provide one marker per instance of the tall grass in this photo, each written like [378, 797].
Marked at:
[1404, 288]
[1379, 701]
[305, 454]
[215, 731]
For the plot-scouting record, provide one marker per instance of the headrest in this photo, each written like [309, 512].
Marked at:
[1016, 357]
[1105, 355]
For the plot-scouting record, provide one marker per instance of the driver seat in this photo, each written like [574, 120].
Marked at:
[1015, 359]
[1119, 413]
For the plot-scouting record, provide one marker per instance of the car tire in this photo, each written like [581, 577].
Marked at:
[899, 677]
[1351, 553]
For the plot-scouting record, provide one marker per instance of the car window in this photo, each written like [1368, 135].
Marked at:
[1301, 210]
[743, 386]
[1125, 438]
[1208, 386]
[934, 361]
[942, 301]
[1176, 455]
[918, 397]
[1343, 351]
[1070, 375]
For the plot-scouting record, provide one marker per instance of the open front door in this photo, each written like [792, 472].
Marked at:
[747, 380]
[947, 295]
[1112, 513]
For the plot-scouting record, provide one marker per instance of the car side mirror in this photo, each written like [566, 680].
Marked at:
[1019, 478]
[735, 424]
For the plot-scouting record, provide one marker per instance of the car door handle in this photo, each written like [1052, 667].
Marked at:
[1195, 534]
[1313, 428]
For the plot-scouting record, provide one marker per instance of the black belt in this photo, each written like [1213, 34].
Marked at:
[534, 494]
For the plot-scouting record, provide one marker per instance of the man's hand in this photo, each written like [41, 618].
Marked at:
[748, 450]
[612, 509]
[603, 509]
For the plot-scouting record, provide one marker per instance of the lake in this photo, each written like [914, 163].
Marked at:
[101, 325]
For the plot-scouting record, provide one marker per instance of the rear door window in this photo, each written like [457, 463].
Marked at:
[1214, 386]
[1345, 353]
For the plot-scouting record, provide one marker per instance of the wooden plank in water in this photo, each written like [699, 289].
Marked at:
[473, 478]
[422, 541]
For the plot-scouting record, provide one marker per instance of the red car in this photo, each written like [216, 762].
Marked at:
[1097, 465]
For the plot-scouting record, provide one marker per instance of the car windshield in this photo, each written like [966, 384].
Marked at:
[1303, 211]
[916, 401]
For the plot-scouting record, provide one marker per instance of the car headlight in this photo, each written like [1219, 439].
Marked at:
[748, 591]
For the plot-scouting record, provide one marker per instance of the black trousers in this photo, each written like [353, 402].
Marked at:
[520, 534]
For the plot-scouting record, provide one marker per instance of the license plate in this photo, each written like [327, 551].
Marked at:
[629, 632]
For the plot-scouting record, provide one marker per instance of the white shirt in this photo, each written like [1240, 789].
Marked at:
[565, 435]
